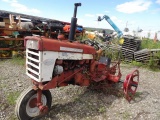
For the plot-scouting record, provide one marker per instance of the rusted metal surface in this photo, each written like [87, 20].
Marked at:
[47, 45]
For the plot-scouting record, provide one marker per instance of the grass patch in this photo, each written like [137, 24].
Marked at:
[1, 61]
[2, 86]
[150, 44]
[12, 117]
[18, 61]
[137, 94]
[138, 64]
[3, 78]
[102, 109]
[11, 97]
[126, 115]
[151, 65]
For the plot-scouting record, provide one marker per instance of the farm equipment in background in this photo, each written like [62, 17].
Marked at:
[118, 33]
[107, 18]
[90, 35]
[52, 63]
[15, 26]
[130, 44]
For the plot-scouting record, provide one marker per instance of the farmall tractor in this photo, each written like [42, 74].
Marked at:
[52, 63]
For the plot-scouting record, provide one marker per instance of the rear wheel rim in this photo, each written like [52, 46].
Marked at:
[131, 84]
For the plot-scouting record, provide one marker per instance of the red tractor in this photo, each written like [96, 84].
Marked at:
[52, 63]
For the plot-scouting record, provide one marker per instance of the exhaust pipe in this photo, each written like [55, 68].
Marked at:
[73, 23]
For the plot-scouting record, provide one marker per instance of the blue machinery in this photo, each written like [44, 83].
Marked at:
[112, 24]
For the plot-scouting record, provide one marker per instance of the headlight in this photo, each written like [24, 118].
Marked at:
[32, 44]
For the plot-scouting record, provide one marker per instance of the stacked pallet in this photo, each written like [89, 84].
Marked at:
[142, 55]
[131, 44]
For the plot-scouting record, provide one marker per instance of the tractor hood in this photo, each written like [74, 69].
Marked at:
[47, 44]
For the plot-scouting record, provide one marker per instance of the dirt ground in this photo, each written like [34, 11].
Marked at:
[81, 103]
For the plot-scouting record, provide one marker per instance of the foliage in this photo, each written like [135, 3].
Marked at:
[102, 109]
[150, 44]
[154, 61]
[138, 64]
[137, 94]
[114, 55]
[152, 65]
[18, 61]
[11, 97]
[126, 115]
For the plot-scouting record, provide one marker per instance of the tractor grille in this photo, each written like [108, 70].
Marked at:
[33, 64]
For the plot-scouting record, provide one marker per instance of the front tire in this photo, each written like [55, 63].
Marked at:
[23, 110]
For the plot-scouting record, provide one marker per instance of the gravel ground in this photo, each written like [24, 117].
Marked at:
[81, 103]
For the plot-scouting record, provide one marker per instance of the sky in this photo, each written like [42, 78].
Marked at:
[135, 14]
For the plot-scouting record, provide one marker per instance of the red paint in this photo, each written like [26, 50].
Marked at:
[81, 72]
[130, 84]
[46, 44]
[33, 103]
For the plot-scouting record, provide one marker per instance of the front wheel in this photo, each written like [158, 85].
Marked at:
[24, 109]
